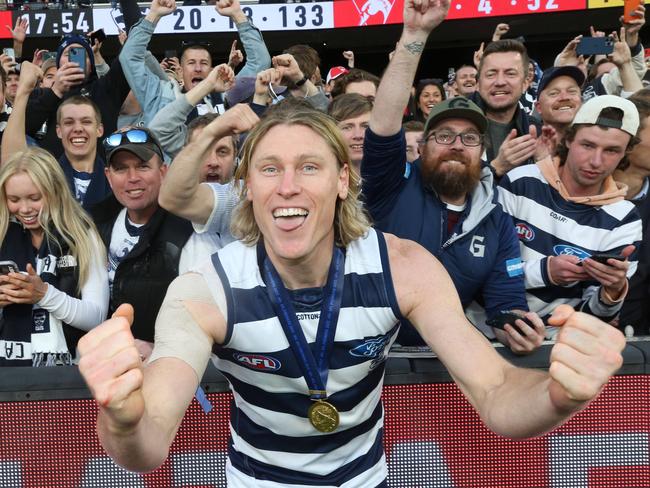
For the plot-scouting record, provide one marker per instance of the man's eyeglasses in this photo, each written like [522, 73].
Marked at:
[134, 136]
[447, 138]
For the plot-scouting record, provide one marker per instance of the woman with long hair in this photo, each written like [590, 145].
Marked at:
[429, 92]
[54, 283]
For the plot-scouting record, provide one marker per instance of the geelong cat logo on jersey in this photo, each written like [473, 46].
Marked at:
[524, 232]
[564, 250]
[374, 349]
[258, 361]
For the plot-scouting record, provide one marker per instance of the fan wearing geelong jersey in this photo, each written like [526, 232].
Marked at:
[318, 294]
[446, 202]
[569, 207]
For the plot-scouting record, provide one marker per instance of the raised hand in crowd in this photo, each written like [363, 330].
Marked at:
[122, 36]
[14, 134]
[478, 55]
[37, 59]
[569, 56]
[622, 57]
[546, 143]
[499, 31]
[515, 150]
[264, 82]
[621, 53]
[19, 33]
[291, 74]
[422, 17]
[159, 9]
[596, 33]
[236, 57]
[8, 63]
[96, 46]
[221, 78]
[232, 9]
[174, 65]
[349, 56]
[236, 120]
[67, 76]
[634, 25]
[30, 76]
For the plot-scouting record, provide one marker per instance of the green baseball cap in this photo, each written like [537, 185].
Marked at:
[456, 108]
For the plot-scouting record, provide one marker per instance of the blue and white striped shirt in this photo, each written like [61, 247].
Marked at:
[272, 438]
[549, 225]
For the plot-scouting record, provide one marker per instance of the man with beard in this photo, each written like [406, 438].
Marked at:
[447, 202]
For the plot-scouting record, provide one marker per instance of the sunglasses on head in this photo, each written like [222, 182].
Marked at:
[198, 43]
[134, 136]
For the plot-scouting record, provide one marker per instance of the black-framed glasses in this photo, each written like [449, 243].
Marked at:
[447, 138]
[134, 136]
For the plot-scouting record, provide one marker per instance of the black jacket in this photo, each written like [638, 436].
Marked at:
[108, 92]
[521, 121]
[636, 308]
[143, 276]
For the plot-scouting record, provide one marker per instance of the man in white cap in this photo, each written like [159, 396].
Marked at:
[568, 211]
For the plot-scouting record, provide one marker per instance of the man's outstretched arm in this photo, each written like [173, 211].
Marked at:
[587, 352]
[182, 192]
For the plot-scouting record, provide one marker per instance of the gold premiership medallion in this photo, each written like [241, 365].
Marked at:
[323, 416]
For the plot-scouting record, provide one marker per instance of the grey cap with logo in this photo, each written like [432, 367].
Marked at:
[456, 108]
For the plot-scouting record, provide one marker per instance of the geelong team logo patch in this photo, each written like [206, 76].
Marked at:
[524, 232]
[564, 250]
[258, 362]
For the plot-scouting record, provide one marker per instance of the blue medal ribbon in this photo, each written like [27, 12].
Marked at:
[314, 369]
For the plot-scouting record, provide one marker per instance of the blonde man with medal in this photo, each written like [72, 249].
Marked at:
[317, 294]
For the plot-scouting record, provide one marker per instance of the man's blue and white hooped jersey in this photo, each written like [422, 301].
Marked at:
[548, 225]
[272, 438]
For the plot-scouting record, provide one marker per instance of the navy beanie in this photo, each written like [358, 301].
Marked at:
[76, 39]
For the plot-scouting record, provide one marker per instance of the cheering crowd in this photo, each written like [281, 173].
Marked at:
[162, 213]
[155, 206]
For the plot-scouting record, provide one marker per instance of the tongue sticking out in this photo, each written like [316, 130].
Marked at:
[290, 223]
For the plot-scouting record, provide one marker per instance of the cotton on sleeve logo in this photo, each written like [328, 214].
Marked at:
[564, 250]
[524, 232]
[514, 267]
[258, 362]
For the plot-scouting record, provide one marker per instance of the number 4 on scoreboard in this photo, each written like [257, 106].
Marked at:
[485, 6]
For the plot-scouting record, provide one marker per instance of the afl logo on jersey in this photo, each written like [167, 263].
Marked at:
[257, 361]
[524, 232]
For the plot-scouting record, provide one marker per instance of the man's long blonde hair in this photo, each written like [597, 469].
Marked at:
[350, 219]
[61, 213]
